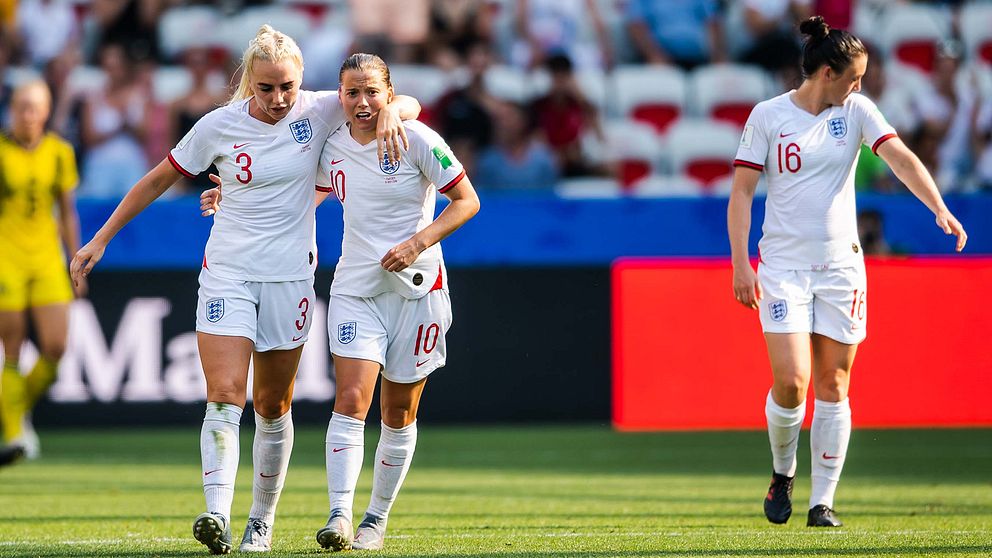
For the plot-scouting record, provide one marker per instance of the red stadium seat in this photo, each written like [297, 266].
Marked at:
[911, 33]
[728, 92]
[655, 95]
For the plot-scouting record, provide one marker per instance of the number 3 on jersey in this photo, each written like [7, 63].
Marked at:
[243, 160]
[791, 158]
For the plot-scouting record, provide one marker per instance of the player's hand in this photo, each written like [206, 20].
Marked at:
[210, 199]
[390, 133]
[747, 289]
[950, 225]
[84, 260]
[401, 256]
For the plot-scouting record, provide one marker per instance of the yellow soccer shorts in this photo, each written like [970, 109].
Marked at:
[28, 286]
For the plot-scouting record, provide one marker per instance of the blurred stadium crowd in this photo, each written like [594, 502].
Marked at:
[594, 98]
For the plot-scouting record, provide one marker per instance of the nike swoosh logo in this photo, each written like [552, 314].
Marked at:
[781, 135]
[264, 476]
[214, 471]
[419, 364]
[236, 146]
[825, 456]
[333, 162]
[297, 338]
[389, 464]
[335, 450]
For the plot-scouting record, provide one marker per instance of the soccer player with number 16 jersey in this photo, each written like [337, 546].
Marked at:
[810, 287]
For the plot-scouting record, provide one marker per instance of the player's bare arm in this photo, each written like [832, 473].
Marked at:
[69, 231]
[143, 193]
[747, 289]
[910, 170]
[464, 205]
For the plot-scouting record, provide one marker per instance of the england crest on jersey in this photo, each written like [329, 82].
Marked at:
[387, 165]
[215, 309]
[302, 132]
[778, 310]
[837, 127]
[347, 331]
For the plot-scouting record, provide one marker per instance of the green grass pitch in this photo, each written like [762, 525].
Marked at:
[579, 491]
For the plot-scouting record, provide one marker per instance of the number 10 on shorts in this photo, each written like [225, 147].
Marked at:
[426, 338]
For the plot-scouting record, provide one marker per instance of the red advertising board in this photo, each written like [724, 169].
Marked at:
[686, 355]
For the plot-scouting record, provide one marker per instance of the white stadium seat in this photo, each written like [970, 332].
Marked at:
[657, 186]
[655, 95]
[635, 149]
[727, 92]
[237, 31]
[703, 149]
[589, 187]
[426, 83]
[187, 27]
[911, 34]
[975, 23]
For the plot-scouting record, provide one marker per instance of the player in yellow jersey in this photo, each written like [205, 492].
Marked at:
[38, 222]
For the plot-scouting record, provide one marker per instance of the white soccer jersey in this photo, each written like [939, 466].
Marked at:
[809, 162]
[265, 228]
[384, 205]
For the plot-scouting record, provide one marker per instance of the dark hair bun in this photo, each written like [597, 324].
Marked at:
[815, 27]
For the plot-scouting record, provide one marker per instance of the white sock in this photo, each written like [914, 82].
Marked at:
[270, 457]
[828, 440]
[344, 451]
[392, 461]
[219, 453]
[783, 434]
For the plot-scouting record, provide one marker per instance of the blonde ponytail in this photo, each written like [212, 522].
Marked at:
[268, 45]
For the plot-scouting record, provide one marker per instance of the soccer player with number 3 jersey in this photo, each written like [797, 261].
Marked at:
[810, 287]
[256, 287]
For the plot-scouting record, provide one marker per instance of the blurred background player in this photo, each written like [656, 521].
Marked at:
[389, 308]
[256, 286]
[810, 285]
[38, 223]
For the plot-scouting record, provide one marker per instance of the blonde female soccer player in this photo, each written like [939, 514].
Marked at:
[810, 285]
[256, 286]
[37, 220]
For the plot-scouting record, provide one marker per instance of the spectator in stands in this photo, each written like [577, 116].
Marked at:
[113, 126]
[456, 27]
[47, 28]
[133, 24]
[564, 116]
[6, 91]
[202, 98]
[948, 111]
[546, 28]
[682, 32]
[517, 161]
[464, 115]
[396, 28]
[771, 25]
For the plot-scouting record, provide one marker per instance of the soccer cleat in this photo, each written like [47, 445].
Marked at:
[10, 454]
[778, 502]
[257, 537]
[213, 531]
[822, 516]
[29, 439]
[370, 533]
[336, 535]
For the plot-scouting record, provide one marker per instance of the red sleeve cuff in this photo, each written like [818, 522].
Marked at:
[748, 164]
[325, 189]
[179, 167]
[880, 141]
[451, 184]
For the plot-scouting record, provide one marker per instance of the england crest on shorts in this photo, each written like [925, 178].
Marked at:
[302, 132]
[778, 310]
[347, 331]
[388, 166]
[837, 127]
[215, 309]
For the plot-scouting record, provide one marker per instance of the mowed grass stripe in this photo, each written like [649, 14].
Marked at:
[527, 491]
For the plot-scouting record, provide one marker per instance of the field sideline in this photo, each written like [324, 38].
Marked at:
[537, 491]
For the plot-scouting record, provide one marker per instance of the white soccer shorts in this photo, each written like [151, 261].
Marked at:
[405, 336]
[275, 316]
[832, 303]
